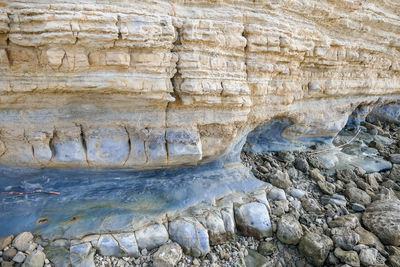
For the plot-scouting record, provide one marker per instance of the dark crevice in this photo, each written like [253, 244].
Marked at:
[129, 145]
[83, 141]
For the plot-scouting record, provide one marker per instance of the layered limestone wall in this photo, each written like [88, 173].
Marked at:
[150, 84]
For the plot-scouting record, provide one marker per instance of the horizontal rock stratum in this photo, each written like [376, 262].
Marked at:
[151, 84]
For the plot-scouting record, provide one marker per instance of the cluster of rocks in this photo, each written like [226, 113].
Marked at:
[303, 215]
[22, 251]
[336, 217]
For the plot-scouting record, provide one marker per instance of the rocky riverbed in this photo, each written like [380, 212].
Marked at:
[319, 215]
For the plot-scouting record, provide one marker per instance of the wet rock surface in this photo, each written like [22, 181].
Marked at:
[303, 215]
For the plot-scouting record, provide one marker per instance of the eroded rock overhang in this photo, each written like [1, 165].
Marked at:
[166, 83]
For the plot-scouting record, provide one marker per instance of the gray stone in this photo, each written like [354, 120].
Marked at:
[358, 207]
[348, 257]
[327, 187]
[368, 256]
[229, 220]
[19, 257]
[127, 243]
[316, 175]
[301, 164]
[338, 200]
[256, 259]
[35, 259]
[296, 193]
[183, 145]
[349, 220]
[190, 235]
[168, 255]
[279, 179]
[395, 173]
[82, 255]
[394, 258]
[395, 158]
[345, 237]
[311, 205]
[22, 241]
[216, 229]
[382, 218]
[356, 195]
[252, 219]
[369, 239]
[108, 246]
[276, 194]
[107, 146]
[267, 248]
[67, 146]
[289, 230]
[151, 236]
[346, 175]
[315, 247]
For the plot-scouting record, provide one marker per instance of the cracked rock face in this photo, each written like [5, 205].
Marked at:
[161, 83]
[383, 219]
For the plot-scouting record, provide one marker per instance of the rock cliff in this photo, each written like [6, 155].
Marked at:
[150, 84]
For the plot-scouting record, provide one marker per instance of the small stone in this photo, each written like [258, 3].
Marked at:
[276, 194]
[279, 179]
[395, 173]
[316, 175]
[7, 264]
[356, 195]
[151, 236]
[368, 256]
[35, 259]
[358, 207]
[296, 193]
[22, 241]
[348, 257]
[9, 254]
[252, 219]
[346, 175]
[311, 205]
[395, 158]
[301, 164]
[167, 255]
[338, 200]
[315, 247]
[254, 258]
[289, 230]
[267, 248]
[196, 262]
[349, 220]
[326, 187]
[19, 257]
[144, 252]
[345, 237]
[5, 241]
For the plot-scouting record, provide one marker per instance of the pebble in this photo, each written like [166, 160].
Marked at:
[358, 207]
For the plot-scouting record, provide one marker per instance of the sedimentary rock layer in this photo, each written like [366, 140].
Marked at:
[151, 84]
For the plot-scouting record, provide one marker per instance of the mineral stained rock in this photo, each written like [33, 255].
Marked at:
[158, 83]
[383, 219]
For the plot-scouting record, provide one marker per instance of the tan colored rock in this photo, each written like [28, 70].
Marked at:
[55, 57]
[213, 70]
